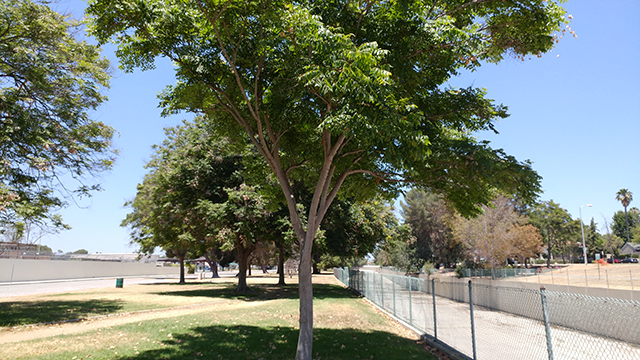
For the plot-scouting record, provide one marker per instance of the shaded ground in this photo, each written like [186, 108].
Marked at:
[207, 321]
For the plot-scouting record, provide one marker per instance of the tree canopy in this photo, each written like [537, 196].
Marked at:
[49, 83]
[189, 170]
[556, 226]
[342, 94]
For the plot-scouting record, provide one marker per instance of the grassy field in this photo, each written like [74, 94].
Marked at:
[203, 320]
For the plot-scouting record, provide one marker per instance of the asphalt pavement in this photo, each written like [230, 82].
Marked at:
[66, 285]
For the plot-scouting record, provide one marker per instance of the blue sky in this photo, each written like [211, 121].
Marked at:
[574, 113]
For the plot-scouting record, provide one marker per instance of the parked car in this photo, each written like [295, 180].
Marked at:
[630, 260]
[617, 261]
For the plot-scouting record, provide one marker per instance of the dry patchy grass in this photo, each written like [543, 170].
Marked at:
[263, 325]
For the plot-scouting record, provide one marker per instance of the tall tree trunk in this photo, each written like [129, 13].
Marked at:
[548, 249]
[243, 261]
[249, 265]
[214, 269]
[213, 264]
[281, 264]
[305, 287]
[264, 268]
[181, 259]
[626, 221]
[316, 259]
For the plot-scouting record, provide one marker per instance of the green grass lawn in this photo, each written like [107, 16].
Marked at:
[262, 325]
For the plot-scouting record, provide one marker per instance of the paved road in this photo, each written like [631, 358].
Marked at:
[57, 286]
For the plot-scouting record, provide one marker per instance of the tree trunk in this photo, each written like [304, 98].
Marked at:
[548, 250]
[243, 262]
[305, 287]
[181, 259]
[213, 264]
[626, 221]
[214, 269]
[281, 264]
[242, 274]
[249, 265]
[264, 268]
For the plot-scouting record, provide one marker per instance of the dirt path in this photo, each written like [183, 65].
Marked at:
[31, 332]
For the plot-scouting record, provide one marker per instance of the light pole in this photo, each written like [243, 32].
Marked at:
[584, 247]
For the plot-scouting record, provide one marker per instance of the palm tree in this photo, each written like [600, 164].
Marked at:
[625, 196]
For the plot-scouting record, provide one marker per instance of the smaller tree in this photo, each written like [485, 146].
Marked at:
[612, 242]
[525, 241]
[430, 219]
[556, 226]
[621, 220]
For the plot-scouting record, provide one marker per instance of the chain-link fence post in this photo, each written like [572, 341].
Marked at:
[473, 328]
[366, 293]
[435, 322]
[410, 302]
[545, 314]
[393, 287]
[382, 290]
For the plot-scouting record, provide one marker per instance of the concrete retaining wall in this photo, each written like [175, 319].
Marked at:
[12, 270]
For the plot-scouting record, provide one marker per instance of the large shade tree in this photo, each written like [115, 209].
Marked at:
[191, 167]
[344, 95]
[50, 148]
[556, 227]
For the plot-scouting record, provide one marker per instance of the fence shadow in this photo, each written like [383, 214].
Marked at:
[31, 312]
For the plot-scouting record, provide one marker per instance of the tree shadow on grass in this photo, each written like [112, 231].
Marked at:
[30, 312]
[262, 292]
[250, 342]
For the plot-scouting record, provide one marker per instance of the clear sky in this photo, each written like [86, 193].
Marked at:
[575, 113]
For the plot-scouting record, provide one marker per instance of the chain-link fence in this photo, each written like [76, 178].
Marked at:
[490, 322]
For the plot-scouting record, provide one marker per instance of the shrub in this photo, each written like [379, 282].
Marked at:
[191, 268]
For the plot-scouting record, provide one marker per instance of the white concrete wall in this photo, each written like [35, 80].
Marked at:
[12, 270]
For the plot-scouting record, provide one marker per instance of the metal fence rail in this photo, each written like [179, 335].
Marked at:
[490, 322]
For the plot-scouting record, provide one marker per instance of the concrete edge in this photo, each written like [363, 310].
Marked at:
[167, 276]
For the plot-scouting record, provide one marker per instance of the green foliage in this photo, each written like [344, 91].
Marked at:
[80, 251]
[189, 170]
[50, 83]
[619, 223]
[191, 268]
[352, 229]
[430, 217]
[343, 97]
[369, 78]
[625, 197]
[556, 227]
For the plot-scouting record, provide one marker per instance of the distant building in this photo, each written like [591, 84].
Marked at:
[122, 257]
[630, 248]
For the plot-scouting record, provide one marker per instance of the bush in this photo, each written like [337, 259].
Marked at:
[191, 268]
[459, 271]
[635, 256]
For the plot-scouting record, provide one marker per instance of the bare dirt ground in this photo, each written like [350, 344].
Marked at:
[614, 276]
